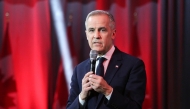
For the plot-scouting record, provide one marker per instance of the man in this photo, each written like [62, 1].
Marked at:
[123, 84]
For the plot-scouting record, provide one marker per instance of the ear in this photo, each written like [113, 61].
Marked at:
[114, 34]
[86, 35]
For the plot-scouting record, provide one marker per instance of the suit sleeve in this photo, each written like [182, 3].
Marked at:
[134, 92]
[73, 100]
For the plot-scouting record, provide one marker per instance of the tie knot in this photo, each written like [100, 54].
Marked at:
[100, 67]
[101, 59]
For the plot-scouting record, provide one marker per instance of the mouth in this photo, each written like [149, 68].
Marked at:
[97, 43]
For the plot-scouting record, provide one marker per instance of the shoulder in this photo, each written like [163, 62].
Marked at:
[81, 69]
[125, 57]
[82, 65]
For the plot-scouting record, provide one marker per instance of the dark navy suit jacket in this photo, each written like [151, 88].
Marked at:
[126, 74]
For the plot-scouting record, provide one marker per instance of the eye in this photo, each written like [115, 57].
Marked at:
[91, 30]
[102, 29]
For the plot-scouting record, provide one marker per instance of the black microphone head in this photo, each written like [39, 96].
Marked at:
[93, 54]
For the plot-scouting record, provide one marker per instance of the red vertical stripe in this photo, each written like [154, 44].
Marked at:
[30, 39]
[61, 92]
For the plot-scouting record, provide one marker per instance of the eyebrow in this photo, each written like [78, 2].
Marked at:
[98, 28]
[102, 28]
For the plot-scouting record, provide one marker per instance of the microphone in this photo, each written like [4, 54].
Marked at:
[93, 55]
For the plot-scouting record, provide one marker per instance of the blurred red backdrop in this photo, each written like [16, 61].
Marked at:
[32, 75]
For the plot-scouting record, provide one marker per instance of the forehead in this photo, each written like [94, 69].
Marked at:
[98, 20]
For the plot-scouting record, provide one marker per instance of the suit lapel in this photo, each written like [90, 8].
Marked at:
[114, 65]
[87, 68]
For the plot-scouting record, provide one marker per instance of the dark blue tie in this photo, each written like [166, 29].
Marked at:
[92, 99]
[100, 67]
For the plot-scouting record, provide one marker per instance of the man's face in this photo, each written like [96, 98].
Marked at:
[99, 34]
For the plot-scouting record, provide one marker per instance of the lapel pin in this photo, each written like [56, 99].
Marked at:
[116, 66]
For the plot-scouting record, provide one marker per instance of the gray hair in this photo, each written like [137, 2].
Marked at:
[100, 12]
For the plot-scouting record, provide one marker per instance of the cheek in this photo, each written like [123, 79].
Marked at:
[88, 37]
[89, 40]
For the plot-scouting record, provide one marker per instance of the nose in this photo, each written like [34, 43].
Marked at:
[97, 34]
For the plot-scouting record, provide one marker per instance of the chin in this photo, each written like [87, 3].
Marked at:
[100, 52]
[98, 49]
